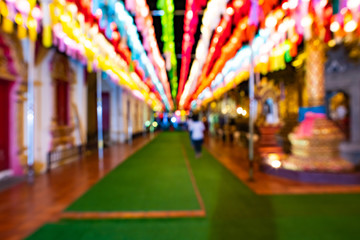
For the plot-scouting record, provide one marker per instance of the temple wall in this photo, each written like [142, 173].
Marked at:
[349, 82]
[79, 104]
[127, 113]
[43, 103]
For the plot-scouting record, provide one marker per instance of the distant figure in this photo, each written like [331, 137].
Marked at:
[197, 129]
[189, 122]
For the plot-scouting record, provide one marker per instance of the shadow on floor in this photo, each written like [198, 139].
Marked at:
[9, 182]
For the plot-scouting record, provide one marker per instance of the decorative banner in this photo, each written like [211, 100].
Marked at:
[96, 41]
[144, 23]
[234, 12]
[242, 32]
[271, 49]
[190, 25]
[211, 19]
[102, 34]
[167, 21]
[129, 32]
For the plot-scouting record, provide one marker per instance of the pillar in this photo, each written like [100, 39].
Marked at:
[315, 69]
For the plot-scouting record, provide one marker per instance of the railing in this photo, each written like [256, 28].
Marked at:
[57, 156]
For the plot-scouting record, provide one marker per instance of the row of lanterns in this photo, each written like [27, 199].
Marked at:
[167, 22]
[290, 23]
[75, 30]
[192, 9]
[144, 23]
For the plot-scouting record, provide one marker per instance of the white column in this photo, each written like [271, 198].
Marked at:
[114, 113]
[130, 117]
[251, 116]
[30, 114]
[122, 115]
[99, 115]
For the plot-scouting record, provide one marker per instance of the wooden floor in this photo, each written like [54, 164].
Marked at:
[234, 157]
[26, 207]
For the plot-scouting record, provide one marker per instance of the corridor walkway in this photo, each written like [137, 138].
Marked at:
[26, 207]
[163, 192]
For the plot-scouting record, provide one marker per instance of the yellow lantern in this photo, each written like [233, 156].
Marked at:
[7, 24]
[47, 39]
[32, 26]
[21, 30]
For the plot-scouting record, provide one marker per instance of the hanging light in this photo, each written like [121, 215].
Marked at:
[350, 26]
[306, 21]
[230, 11]
[293, 4]
[353, 4]
[335, 26]
[285, 6]
[270, 21]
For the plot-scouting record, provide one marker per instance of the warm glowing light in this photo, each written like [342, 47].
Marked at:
[306, 21]
[275, 163]
[270, 22]
[353, 4]
[350, 26]
[264, 59]
[155, 124]
[177, 113]
[293, 4]
[285, 5]
[283, 27]
[72, 8]
[241, 111]
[297, 63]
[189, 14]
[23, 7]
[88, 43]
[65, 18]
[332, 43]
[36, 13]
[323, 3]
[19, 19]
[274, 160]
[230, 11]
[335, 26]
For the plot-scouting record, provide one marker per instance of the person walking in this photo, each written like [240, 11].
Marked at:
[197, 129]
[189, 123]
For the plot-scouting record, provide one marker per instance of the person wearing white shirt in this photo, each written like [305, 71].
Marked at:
[189, 123]
[197, 129]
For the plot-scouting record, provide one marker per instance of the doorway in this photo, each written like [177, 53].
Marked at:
[5, 87]
[106, 116]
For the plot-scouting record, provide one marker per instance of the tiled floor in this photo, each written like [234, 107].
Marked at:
[24, 208]
[234, 157]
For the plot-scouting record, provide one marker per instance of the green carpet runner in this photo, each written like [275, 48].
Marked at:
[233, 210]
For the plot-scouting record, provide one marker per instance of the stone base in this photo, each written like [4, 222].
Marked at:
[268, 141]
[351, 152]
[335, 165]
[269, 149]
[313, 177]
